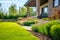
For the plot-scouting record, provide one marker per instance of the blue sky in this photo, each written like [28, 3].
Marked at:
[7, 3]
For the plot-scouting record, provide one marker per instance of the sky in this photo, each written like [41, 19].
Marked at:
[7, 3]
[19, 3]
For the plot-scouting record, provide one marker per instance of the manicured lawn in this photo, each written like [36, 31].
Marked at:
[13, 31]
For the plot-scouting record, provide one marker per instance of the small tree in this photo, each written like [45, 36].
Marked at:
[23, 11]
[12, 10]
[1, 12]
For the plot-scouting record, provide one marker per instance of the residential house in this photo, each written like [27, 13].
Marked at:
[49, 7]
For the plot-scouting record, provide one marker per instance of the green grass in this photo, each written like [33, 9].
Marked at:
[13, 31]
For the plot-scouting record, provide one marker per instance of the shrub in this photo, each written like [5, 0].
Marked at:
[28, 23]
[0, 20]
[36, 20]
[55, 32]
[51, 28]
[48, 25]
[41, 30]
[45, 18]
[33, 19]
[45, 28]
[35, 28]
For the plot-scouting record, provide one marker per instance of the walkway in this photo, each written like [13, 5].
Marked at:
[27, 27]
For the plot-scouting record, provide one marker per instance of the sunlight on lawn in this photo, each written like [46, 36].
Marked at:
[13, 31]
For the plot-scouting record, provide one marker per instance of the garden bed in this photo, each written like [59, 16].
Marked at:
[28, 21]
[41, 36]
[51, 29]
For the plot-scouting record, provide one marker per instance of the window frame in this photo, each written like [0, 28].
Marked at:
[54, 3]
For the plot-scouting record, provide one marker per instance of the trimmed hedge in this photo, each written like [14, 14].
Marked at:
[47, 30]
[46, 27]
[28, 23]
[55, 32]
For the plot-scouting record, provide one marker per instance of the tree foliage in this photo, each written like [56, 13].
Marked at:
[23, 11]
[12, 10]
[13, 13]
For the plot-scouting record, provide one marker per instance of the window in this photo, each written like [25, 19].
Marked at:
[45, 10]
[56, 3]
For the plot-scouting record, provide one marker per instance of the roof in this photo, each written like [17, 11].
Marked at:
[32, 3]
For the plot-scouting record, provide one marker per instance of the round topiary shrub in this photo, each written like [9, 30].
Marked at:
[55, 32]
[48, 25]
[45, 28]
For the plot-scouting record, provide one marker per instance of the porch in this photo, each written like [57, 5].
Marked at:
[43, 7]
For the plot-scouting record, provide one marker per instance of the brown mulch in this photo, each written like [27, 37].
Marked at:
[41, 36]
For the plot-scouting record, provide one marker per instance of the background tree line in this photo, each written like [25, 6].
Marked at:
[13, 13]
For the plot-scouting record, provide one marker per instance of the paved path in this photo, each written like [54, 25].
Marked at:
[40, 22]
[27, 27]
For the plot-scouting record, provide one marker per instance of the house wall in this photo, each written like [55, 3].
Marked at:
[53, 11]
[50, 8]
